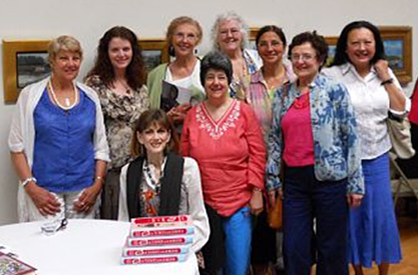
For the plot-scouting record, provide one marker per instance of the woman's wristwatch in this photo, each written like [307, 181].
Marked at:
[387, 81]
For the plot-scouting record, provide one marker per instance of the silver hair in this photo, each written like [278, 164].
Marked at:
[230, 15]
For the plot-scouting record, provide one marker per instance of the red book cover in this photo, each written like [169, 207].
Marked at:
[159, 241]
[162, 221]
[12, 266]
[181, 249]
[154, 259]
[145, 232]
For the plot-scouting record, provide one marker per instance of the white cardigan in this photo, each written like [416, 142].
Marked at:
[196, 207]
[22, 130]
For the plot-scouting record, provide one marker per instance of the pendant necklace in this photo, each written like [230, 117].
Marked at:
[125, 86]
[67, 102]
[155, 184]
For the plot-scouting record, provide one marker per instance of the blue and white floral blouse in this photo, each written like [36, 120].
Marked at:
[336, 145]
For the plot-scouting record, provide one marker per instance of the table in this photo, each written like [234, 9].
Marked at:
[84, 247]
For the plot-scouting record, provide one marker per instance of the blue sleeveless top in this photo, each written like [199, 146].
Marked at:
[63, 158]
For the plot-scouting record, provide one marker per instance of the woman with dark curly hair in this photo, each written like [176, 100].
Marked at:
[118, 77]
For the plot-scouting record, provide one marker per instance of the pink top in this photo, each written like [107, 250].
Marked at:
[297, 134]
[230, 153]
[413, 115]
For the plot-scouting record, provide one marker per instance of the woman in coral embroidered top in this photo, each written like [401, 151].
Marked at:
[225, 138]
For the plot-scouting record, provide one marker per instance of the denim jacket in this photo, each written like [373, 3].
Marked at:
[336, 145]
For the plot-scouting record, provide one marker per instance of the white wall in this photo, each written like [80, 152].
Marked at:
[87, 20]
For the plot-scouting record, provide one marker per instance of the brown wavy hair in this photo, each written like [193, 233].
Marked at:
[135, 73]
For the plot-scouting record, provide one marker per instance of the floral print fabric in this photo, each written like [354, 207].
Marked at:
[120, 113]
[336, 143]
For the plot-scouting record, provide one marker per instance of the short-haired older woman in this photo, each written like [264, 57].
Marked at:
[230, 35]
[313, 145]
[360, 64]
[118, 76]
[159, 182]
[223, 135]
[58, 141]
[183, 35]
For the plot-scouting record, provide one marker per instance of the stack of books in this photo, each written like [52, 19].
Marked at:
[158, 240]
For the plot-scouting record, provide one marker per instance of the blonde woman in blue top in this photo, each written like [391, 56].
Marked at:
[58, 142]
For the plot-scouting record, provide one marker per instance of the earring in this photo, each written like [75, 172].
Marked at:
[195, 51]
[171, 51]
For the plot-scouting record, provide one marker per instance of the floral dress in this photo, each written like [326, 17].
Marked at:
[120, 113]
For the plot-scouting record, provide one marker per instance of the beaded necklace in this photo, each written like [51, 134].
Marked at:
[302, 101]
[66, 100]
[149, 176]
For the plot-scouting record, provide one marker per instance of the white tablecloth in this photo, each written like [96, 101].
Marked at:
[90, 247]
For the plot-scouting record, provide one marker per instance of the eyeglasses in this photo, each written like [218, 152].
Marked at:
[303, 57]
[233, 32]
[184, 36]
[265, 44]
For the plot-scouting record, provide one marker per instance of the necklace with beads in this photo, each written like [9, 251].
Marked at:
[302, 101]
[67, 101]
[152, 181]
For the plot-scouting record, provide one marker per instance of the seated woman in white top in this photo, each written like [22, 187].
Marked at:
[159, 182]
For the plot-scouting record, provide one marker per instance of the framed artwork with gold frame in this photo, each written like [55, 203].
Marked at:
[24, 62]
[332, 45]
[252, 36]
[398, 49]
[154, 52]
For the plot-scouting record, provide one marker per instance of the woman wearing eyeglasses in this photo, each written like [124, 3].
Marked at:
[183, 35]
[314, 148]
[230, 35]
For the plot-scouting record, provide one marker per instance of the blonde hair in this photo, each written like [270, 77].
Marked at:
[63, 43]
[180, 21]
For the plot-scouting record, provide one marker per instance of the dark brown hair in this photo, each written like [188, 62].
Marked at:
[146, 120]
[271, 28]
[341, 56]
[317, 42]
[135, 73]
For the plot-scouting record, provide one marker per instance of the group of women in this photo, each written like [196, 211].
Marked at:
[315, 139]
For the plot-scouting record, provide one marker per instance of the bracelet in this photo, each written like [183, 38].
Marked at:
[387, 81]
[99, 178]
[26, 181]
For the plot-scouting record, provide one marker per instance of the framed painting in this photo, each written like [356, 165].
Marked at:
[154, 52]
[397, 41]
[332, 45]
[252, 36]
[24, 62]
